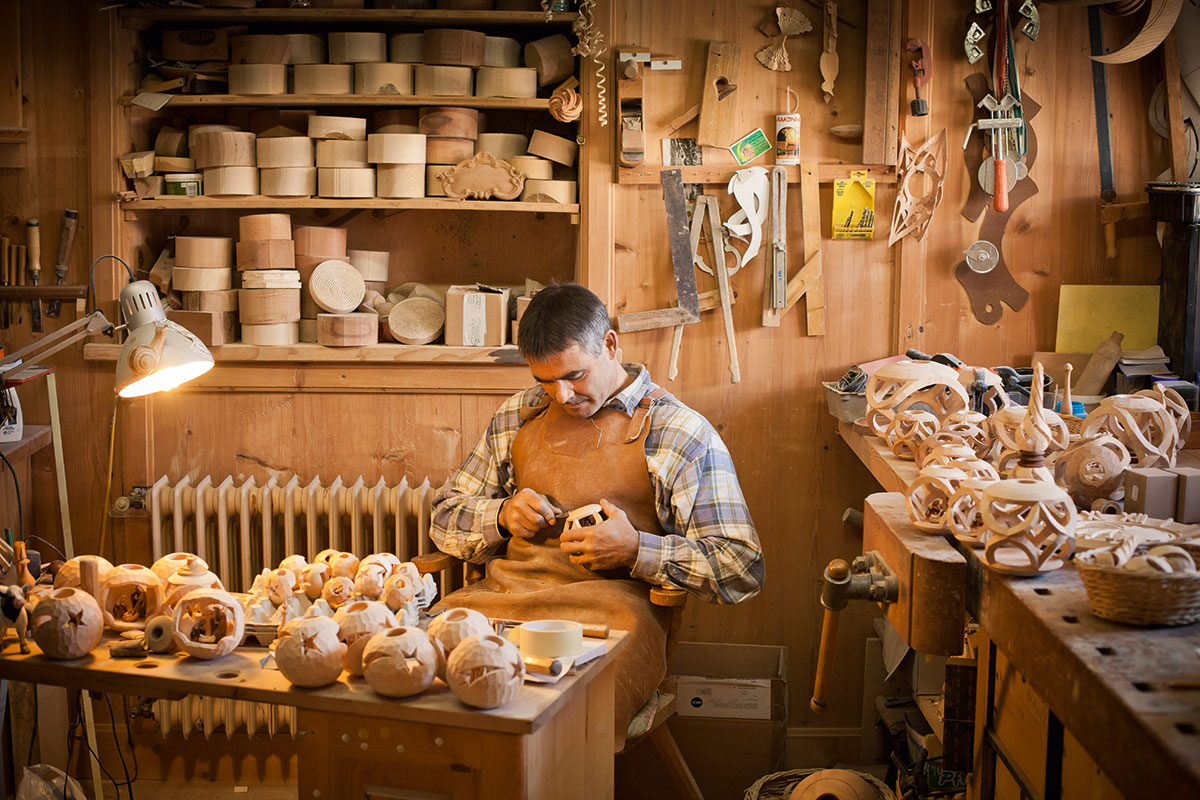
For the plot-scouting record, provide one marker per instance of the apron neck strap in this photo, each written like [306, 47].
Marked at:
[638, 421]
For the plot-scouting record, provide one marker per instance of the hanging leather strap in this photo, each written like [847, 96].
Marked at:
[638, 421]
[533, 412]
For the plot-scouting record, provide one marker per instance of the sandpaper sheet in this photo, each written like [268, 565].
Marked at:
[1087, 315]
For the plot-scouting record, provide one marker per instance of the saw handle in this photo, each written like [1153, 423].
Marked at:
[1000, 185]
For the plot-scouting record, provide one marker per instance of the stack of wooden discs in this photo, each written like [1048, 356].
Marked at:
[373, 266]
[203, 275]
[539, 186]
[450, 135]
[258, 64]
[226, 159]
[314, 245]
[399, 160]
[269, 300]
[286, 166]
[342, 168]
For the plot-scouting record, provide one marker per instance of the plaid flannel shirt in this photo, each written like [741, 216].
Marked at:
[710, 546]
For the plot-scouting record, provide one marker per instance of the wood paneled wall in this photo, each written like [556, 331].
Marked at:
[797, 475]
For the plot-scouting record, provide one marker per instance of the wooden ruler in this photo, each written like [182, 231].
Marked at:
[808, 281]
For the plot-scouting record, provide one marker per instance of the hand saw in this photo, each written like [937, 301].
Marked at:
[1108, 191]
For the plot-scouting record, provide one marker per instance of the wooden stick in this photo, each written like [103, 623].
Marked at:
[543, 666]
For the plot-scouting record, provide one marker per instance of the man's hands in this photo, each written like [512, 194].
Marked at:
[526, 513]
[611, 544]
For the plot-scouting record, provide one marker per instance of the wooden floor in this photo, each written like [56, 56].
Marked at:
[203, 790]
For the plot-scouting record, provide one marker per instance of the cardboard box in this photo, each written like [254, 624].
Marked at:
[1151, 491]
[476, 316]
[1187, 494]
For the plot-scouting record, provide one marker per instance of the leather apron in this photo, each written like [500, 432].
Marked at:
[577, 461]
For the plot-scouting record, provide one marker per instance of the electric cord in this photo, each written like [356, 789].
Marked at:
[33, 735]
[92, 276]
[17, 489]
[117, 741]
[129, 741]
[91, 752]
[33, 536]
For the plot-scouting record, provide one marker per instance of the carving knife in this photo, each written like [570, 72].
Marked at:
[66, 239]
[33, 239]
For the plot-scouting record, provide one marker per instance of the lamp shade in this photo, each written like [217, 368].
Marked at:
[158, 354]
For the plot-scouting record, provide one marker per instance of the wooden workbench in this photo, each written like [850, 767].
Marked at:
[1106, 686]
[552, 741]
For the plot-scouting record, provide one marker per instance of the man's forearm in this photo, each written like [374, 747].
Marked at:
[465, 526]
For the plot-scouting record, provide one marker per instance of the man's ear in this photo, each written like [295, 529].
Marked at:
[610, 345]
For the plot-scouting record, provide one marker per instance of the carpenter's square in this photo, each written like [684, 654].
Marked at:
[66, 238]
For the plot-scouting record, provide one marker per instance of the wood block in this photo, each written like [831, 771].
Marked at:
[323, 79]
[277, 335]
[346, 182]
[223, 149]
[437, 81]
[371, 264]
[252, 227]
[258, 79]
[271, 279]
[170, 142]
[395, 120]
[385, 78]
[321, 126]
[266, 254]
[433, 186]
[337, 287]
[204, 252]
[533, 167]
[139, 164]
[447, 150]
[230, 181]
[214, 328]
[192, 279]
[504, 146]
[320, 240]
[454, 47]
[306, 265]
[268, 306]
[174, 164]
[552, 58]
[195, 130]
[416, 320]
[308, 330]
[396, 148]
[341, 154]
[506, 82]
[348, 330]
[400, 180]
[555, 148]
[268, 123]
[151, 186]
[501, 51]
[1187, 494]
[541, 191]
[210, 301]
[357, 47]
[459, 123]
[306, 48]
[717, 109]
[285, 151]
[208, 44]
[1151, 491]
[260, 49]
[289, 181]
[407, 48]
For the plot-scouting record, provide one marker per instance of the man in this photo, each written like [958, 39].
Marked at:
[596, 431]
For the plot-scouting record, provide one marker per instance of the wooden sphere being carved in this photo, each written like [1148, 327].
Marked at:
[369, 580]
[963, 518]
[67, 623]
[400, 662]
[296, 564]
[919, 385]
[338, 591]
[907, 430]
[166, 566]
[313, 579]
[344, 565]
[194, 574]
[457, 624]
[68, 573]
[398, 589]
[928, 496]
[281, 585]
[357, 623]
[1030, 526]
[308, 651]
[209, 623]
[1093, 469]
[485, 671]
[130, 594]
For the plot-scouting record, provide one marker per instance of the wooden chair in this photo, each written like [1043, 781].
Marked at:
[658, 734]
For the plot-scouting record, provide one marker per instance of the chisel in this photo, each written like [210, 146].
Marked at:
[66, 239]
[3, 280]
[33, 238]
[19, 268]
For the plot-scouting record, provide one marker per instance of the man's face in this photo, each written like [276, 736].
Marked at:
[576, 379]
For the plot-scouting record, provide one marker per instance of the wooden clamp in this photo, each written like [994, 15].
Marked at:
[718, 100]
[1111, 214]
[688, 310]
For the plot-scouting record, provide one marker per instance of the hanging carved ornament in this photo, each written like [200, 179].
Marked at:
[1030, 525]
[483, 177]
[774, 56]
[919, 187]
[784, 22]
[566, 104]
[1142, 424]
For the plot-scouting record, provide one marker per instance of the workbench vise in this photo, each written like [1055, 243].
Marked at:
[869, 578]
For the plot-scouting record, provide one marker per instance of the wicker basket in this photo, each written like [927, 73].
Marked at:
[1141, 598]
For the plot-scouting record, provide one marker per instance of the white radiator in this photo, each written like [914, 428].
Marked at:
[242, 529]
[206, 714]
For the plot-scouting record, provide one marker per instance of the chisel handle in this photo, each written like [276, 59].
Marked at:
[1000, 185]
[66, 239]
[33, 240]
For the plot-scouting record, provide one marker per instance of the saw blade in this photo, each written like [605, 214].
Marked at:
[1108, 191]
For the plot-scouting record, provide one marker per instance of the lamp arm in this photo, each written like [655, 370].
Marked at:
[92, 324]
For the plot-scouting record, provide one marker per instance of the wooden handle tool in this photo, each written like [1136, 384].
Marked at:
[18, 269]
[33, 238]
[543, 666]
[1000, 185]
[4, 277]
[66, 240]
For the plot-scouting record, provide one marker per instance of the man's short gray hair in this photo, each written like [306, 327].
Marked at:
[559, 316]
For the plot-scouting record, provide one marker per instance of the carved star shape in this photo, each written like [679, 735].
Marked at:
[75, 618]
[308, 643]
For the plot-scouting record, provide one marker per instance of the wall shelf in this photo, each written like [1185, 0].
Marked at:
[442, 355]
[296, 203]
[141, 18]
[372, 100]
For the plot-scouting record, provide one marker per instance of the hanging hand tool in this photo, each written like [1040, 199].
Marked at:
[777, 270]
[722, 276]
[4, 279]
[1108, 191]
[66, 238]
[922, 74]
[33, 238]
[20, 281]
[998, 125]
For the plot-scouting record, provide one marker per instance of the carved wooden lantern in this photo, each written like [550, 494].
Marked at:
[67, 623]
[1176, 406]
[457, 624]
[338, 591]
[281, 585]
[485, 671]
[166, 566]
[129, 595]
[993, 396]
[327, 555]
[919, 385]
[313, 579]
[963, 518]
[400, 662]
[1092, 470]
[907, 430]
[972, 427]
[68, 573]
[308, 651]
[344, 565]
[370, 579]
[1142, 424]
[209, 623]
[929, 496]
[295, 564]
[1030, 526]
[585, 516]
[397, 591]
[358, 622]
[194, 574]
